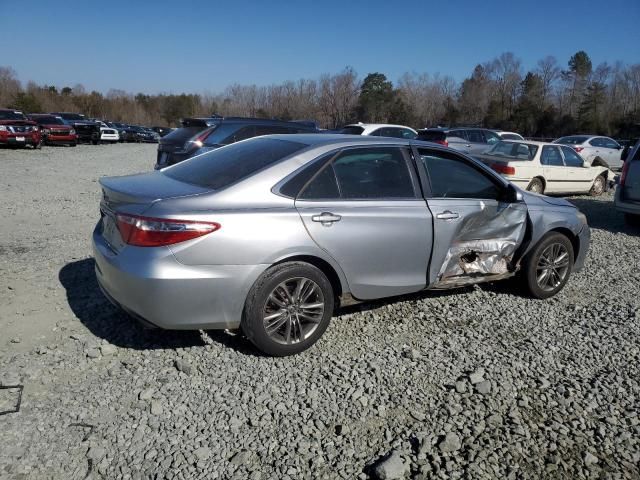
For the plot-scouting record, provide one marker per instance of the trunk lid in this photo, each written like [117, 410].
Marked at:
[134, 194]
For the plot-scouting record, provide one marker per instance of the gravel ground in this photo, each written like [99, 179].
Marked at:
[476, 383]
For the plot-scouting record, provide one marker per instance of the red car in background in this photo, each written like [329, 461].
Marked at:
[54, 130]
[16, 129]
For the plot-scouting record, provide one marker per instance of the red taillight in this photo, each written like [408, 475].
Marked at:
[154, 232]
[578, 149]
[443, 142]
[199, 140]
[623, 175]
[504, 169]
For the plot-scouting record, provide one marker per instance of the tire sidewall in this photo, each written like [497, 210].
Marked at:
[252, 320]
[531, 263]
[593, 192]
[536, 181]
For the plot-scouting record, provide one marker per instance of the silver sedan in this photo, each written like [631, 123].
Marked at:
[273, 233]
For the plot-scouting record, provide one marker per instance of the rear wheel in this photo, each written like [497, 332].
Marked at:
[536, 186]
[548, 266]
[288, 308]
[598, 186]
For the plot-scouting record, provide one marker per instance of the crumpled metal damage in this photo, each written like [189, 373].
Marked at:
[484, 246]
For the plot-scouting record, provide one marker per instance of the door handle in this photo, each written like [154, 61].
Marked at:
[326, 218]
[468, 145]
[448, 215]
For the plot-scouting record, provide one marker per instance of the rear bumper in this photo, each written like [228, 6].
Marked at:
[151, 285]
[624, 205]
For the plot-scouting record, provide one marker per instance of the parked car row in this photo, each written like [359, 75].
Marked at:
[68, 128]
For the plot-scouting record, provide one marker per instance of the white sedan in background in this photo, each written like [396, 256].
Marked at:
[380, 130]
[602, 151]
[546, 168]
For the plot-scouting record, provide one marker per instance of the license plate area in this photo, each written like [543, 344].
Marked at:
[19, 139]
[110, 232]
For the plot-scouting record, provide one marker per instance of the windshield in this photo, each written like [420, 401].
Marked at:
[72, 116]
[11, 115]
[576, 140]
[352, 130]
[515, 150]
[48, 120]
[221, 167]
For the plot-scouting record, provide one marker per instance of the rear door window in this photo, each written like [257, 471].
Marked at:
[222, 167]
[551, 157]
[458, 133]
[475, 136]
[364, 174]
[352, 130]
[571, 158]
[453, 177]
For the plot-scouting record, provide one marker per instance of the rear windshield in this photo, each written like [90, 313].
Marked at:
[11, 115]
[72, 116]
[576, 140]
[514, 150]
[352, 130]
[432, 136]
[227, 165]
[181, 135]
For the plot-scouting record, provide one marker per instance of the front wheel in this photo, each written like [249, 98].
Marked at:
[548, 266]
[288, 309]
[598, 186]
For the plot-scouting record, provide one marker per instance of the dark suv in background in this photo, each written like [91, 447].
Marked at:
[467, 140]
[88, 131]
[199, 135]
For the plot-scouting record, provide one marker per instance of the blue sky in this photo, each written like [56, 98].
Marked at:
[199, 46]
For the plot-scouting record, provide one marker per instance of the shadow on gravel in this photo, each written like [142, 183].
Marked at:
[604, 216]
[110, 323]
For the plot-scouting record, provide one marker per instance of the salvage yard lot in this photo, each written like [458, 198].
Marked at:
[479, 382]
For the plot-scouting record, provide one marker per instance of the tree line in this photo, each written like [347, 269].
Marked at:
[548, 100]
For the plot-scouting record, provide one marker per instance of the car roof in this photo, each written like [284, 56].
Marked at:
[315, 139]
[369, 125]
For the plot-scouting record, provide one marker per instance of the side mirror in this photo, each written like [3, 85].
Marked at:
[512, 194]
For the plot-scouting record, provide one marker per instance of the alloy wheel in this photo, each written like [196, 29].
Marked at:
[553, 266]
[293, 310]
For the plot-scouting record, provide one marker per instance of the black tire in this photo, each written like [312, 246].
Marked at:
[74, 144]
[632, 219]
[536, 186]
[533, 263]
[599, 186]
[259, 300]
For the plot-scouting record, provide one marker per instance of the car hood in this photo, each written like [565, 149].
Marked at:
[533, 199]
[56, 125]
[17, 122]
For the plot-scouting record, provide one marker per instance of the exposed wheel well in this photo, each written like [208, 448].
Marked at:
[544, 183]
[324, 266]
[572, 237]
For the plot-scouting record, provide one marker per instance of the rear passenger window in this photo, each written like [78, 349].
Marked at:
[458, 133]
[475, 136]
[571, 158]
[363, 173]
[453, 177]
[323, 186]
[550, 156]
[373, 173]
